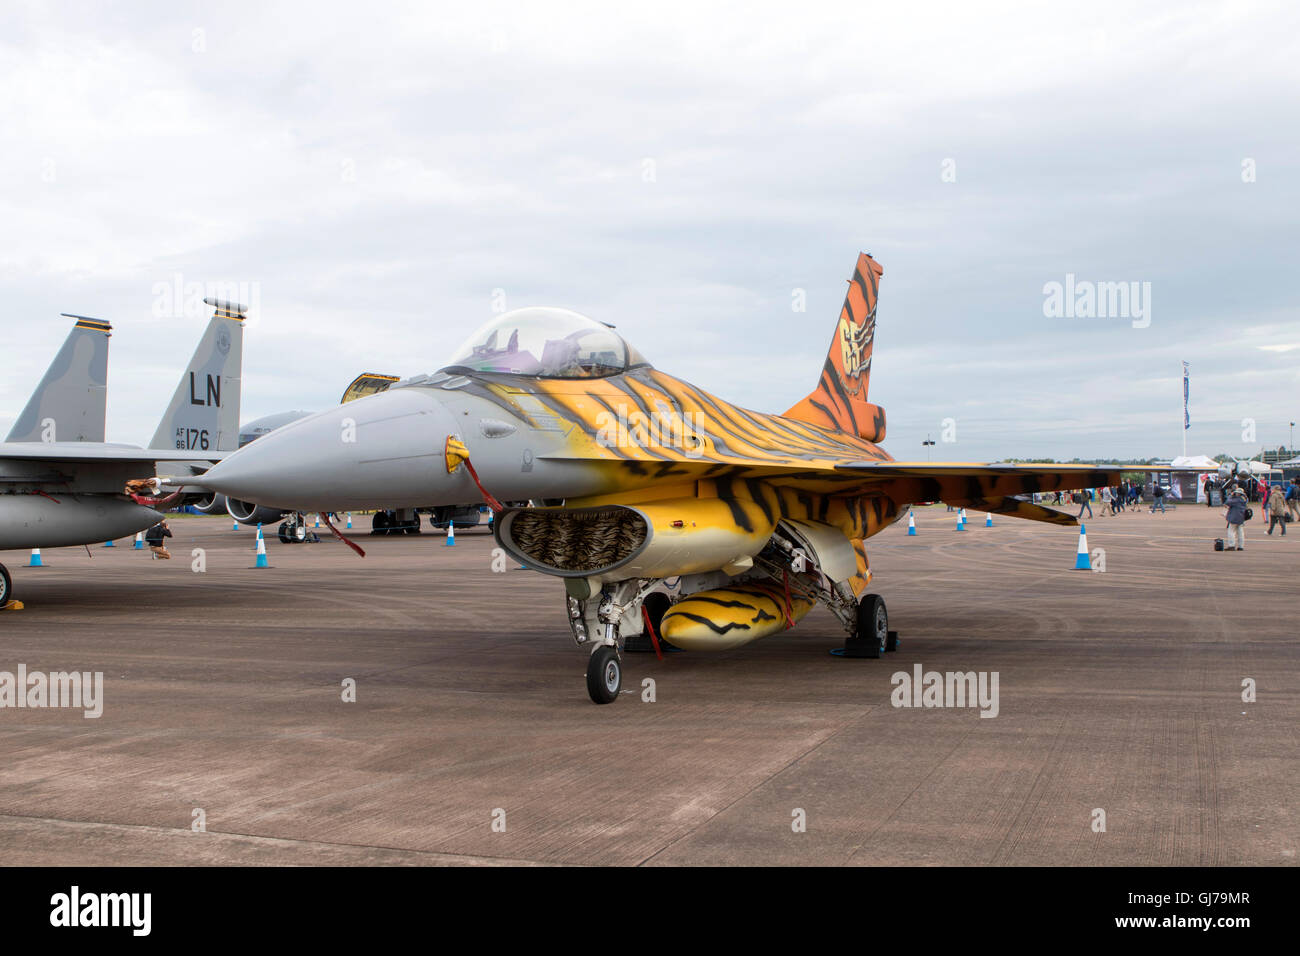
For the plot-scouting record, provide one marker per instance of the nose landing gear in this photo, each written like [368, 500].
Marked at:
[604, 674]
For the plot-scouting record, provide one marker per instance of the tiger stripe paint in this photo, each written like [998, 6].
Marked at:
[724, 618]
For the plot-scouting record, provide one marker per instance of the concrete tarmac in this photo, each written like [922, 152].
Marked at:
[1119, 692]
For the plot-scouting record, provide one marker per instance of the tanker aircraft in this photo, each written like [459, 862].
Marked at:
[668, 513]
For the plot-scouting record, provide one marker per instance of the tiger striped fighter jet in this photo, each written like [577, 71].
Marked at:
[669, 514]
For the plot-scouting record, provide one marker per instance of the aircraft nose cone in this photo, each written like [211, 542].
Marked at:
[384, 451]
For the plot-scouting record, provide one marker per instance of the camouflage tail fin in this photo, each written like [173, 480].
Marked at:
[840, 400]
[203, 414]
[69, 403]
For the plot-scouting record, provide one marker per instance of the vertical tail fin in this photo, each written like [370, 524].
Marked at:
[840, 400]
[69, 403]
[204, 412]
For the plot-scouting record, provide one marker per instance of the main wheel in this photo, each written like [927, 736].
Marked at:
[604, 674]
[379, 523]
[6, 587]
[413, 526]
[284, 532]
[873, 625]
[298, 533]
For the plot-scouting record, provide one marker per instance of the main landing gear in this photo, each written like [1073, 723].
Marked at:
[295, 531]
[6, 587]
[872, 637]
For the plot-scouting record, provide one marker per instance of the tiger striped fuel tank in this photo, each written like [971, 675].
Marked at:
[724, 618]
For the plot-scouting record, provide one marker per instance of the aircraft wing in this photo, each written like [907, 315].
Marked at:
[98, 452]
[86, 467]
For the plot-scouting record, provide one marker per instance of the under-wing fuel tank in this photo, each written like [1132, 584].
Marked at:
[38, 521]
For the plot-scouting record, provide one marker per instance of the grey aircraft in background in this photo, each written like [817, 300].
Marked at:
[61, 484]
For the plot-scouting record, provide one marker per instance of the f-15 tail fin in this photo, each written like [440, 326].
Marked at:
[69, 403]
[840, 400]
[204, 412]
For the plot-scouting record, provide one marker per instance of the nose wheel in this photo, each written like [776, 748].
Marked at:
[604, 674]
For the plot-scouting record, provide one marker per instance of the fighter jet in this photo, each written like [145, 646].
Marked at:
[56, 492]
[666, 511]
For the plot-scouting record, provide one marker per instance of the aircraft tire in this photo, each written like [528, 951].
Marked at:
[283, 533]
[873, 626]
[379, 523]
[604, 674]
[6, 586]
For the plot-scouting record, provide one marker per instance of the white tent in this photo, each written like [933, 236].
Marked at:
[1202, 462]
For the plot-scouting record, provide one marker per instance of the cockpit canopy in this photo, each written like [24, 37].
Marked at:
[546, 343]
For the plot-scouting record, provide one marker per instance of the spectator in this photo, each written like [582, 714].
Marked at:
[1158, 497]
[1276, 509]
[154, 538]
[1293, 499]
[1235, 515]
[1082, 498]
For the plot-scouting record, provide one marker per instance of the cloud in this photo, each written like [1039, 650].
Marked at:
[678, 171]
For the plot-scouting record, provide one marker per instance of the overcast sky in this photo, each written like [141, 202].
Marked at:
[374, 172]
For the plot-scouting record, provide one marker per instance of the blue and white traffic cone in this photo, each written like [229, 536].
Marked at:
[988, 519]
[258, 545]
[262, 562]
[451, 534]
[234, 526]
[139, 541]
[1081, 560]
[911, 524]
[961, 521]
[36, 559]
[349, 520]
[109, 544]
[318, 521]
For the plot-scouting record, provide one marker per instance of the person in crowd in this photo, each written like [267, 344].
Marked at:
[1208, 486]
[1276, 509]
[154, 538]
[1235, 516]
[1105, 500]
[1293, 499]
[1158, 498]
[1082, 498]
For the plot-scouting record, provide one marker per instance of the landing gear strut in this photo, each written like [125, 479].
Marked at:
[604, 674]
